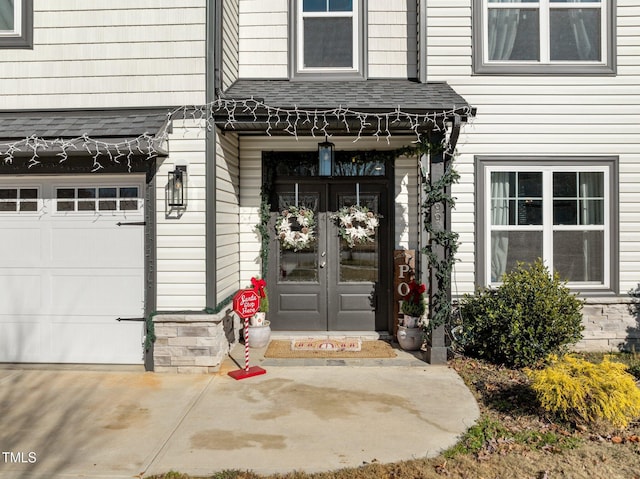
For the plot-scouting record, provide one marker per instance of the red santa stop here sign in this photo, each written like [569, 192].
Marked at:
[246, 303]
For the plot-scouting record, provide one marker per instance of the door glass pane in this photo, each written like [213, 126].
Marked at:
[360, 163]
[578, 256]
[328, 42]
[514, 34]
[575, 34]
[301, 265]
[360, 262]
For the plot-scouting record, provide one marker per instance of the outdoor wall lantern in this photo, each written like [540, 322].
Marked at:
[325, 157]
[177, 188]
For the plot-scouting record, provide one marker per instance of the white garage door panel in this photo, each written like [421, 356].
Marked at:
[84, 243]
[21, 294]
[101, 293]
[66, 276]
[22, 341]
[30, 240]
[97, 343]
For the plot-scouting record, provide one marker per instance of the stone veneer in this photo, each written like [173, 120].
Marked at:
[193, 342]
[610, 324]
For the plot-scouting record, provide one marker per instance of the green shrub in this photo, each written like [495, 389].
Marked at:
[576, 389]
[529, 316]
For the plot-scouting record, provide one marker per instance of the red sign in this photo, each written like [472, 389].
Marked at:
[246, 303]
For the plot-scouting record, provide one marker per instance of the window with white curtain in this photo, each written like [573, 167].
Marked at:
[16, 23]
[555, 36]
[328, 36]
[561, 213]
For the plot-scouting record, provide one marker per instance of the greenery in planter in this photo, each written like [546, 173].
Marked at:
[264, 303]
[531, 315]
[576, 389]
[413, 303]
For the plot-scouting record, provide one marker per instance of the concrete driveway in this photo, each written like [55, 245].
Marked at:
[121, 424]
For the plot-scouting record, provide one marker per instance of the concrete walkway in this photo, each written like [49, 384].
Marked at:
[64, 423]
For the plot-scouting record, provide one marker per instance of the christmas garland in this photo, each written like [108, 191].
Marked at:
[295, 228]
[356, 224]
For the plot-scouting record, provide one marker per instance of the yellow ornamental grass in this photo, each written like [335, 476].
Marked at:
[577, 389]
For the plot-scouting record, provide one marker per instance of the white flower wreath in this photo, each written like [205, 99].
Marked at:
[296, 236]
[356, 224]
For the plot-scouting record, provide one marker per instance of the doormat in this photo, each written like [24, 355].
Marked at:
[368, 350]
[329, 344]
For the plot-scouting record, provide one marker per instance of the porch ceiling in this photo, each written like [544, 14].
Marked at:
[432, 103]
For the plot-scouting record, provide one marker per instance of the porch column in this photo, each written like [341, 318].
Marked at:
[436, 352]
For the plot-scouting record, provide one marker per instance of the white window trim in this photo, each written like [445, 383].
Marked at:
[38, 199]
[547, 226]
[544, 7]
[97, 210]
[482, 66]
[355, 18]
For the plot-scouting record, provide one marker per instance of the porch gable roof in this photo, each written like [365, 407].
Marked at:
[375, 97]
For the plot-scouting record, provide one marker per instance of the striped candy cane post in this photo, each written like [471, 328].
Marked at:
[246, 344]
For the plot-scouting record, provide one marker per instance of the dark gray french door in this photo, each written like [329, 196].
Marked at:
[330, 286]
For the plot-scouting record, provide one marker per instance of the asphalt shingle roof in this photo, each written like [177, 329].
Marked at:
[72, 124]
[369, 95]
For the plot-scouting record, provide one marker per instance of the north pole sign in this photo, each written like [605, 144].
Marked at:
[246, 303]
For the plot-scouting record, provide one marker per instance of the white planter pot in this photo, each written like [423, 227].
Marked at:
[410, 339]
[258, 319]
[259, 335]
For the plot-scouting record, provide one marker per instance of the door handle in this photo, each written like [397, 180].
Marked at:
[323, 264]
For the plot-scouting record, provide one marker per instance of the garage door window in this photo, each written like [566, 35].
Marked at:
[103, 198]
[18, 200]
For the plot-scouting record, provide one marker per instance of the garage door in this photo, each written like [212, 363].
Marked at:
[71, 263]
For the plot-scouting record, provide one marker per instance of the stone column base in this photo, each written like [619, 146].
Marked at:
[193, 342]
[435, 355]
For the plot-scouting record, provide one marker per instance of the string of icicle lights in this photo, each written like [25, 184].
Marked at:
[292, 121]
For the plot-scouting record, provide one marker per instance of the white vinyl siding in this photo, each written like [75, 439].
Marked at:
[181, 242]
[121, 53]
[227, 216]
[263, 46]
[392, 39]
[230, 26]
[542, 115]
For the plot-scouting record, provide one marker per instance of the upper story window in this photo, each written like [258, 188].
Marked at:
[544, 36]
[328, 34]
[16, 23]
